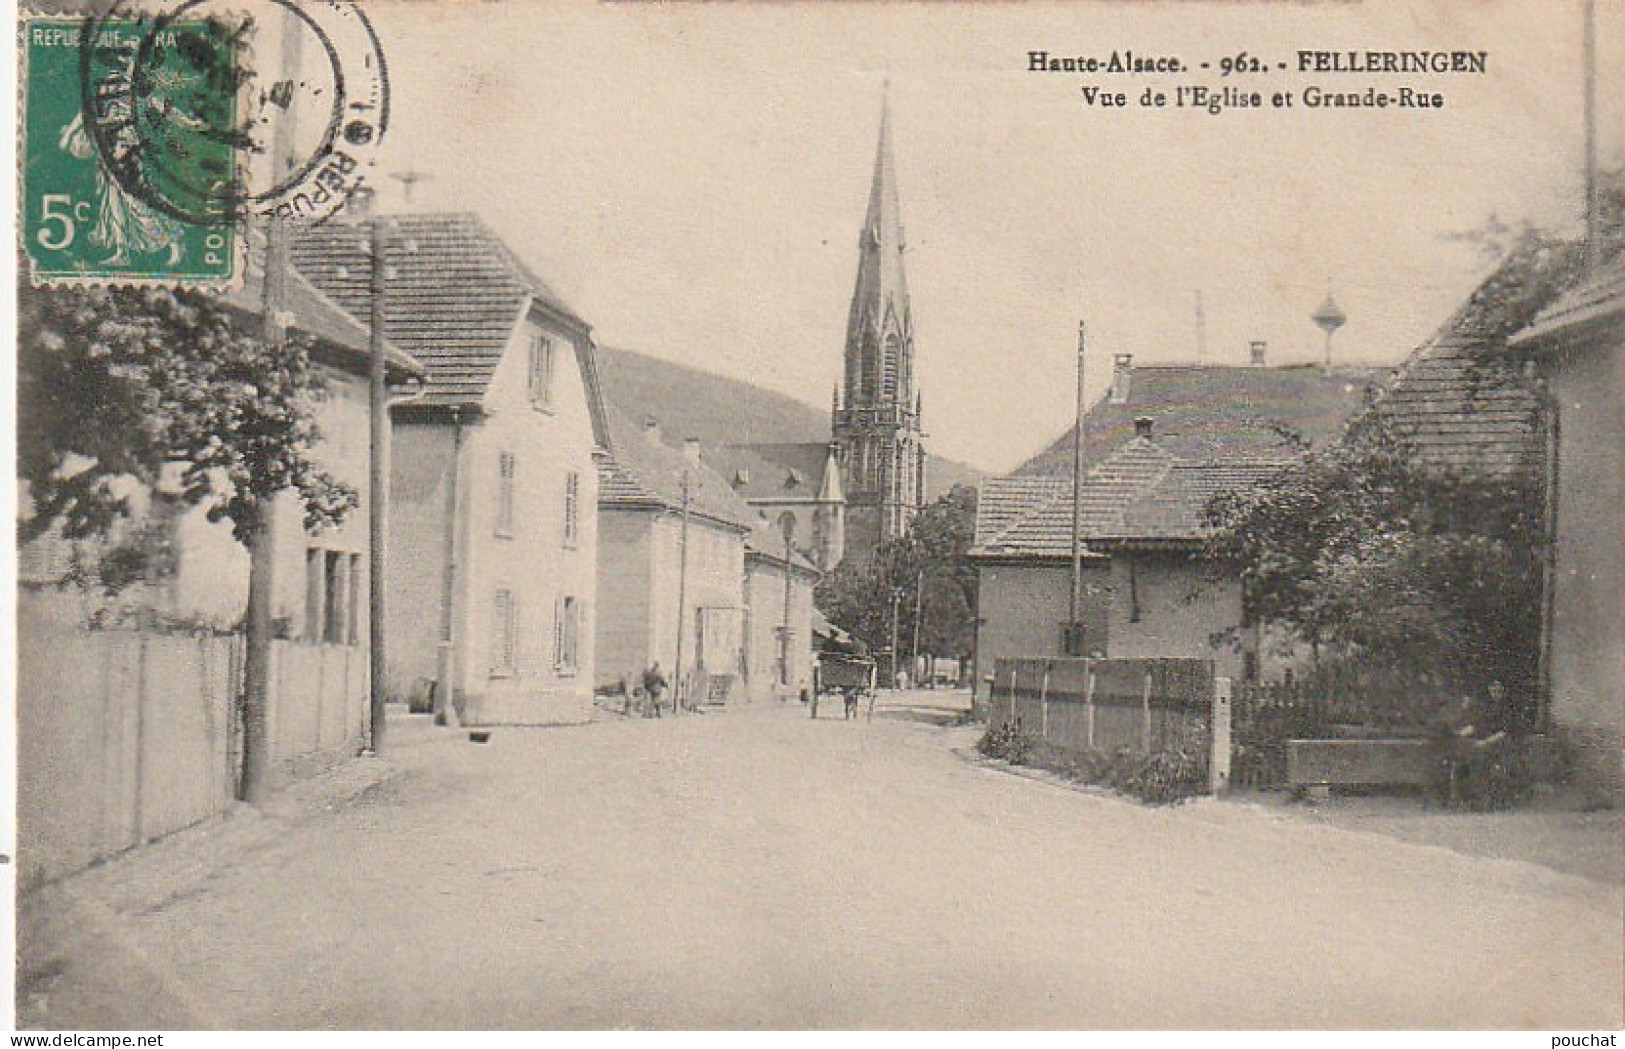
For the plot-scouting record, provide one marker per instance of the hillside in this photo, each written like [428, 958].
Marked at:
[718, 410]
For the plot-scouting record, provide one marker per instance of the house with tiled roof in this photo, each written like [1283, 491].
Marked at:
[492, 530]
[1579, 346]
[1145, 589]
[1215, 412]
[1161, 442]
[671, 565]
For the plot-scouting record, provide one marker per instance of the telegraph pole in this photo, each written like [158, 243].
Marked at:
[377, 487]
[1075, 595]
[1593, 199]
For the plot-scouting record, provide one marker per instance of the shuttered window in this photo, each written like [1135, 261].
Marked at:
[541, 371]
[504, 634]
[507, 468]
[572, 508]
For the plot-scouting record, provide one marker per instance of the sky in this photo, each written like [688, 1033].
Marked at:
[692, 179]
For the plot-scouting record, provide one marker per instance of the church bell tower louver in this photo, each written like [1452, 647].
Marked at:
[877, 429]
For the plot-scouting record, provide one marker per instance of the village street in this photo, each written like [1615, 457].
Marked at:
[760, 869]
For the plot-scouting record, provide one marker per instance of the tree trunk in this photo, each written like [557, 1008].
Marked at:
[257, 660]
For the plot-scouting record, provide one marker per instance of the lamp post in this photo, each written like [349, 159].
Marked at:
[787, 525]
[914, 649]
[896, 600]
[682, 598]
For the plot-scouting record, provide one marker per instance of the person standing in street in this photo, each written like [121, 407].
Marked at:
[654, 686]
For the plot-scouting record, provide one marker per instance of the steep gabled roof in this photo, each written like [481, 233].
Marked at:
[455, 294]
[1601, 297]
[1002, 501]
[1140, 493]
[1459, 408]
[779, 472]
[640, 473]
[342, 338]
[1217, 412]
[1176, 506]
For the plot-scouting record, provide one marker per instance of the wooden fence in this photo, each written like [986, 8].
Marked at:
[1115, 704]
[128, 735]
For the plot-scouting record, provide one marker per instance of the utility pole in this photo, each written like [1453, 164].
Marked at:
[682, 599]
[1593, 198]
[262, 537]
[377, 486]
[1075, 594]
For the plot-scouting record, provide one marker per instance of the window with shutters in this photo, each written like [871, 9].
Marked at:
[332, 596]
[572, 508]
[541, 371]
[504, 634]
[507, 468]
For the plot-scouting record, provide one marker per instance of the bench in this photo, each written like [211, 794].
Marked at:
[1362, 763]
[1396, 762]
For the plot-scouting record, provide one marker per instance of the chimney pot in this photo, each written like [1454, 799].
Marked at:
[1257, 347]
[1142, 427]
[691, 450]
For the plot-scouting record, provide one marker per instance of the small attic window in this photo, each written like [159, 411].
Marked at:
[741, 477]
[793, 479]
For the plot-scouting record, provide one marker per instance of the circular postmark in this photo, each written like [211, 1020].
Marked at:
[209, 111]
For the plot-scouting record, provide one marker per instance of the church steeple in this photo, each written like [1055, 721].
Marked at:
[880, 325]
[877, 423]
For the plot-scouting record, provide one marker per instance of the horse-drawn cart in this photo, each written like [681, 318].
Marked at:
[850, 677]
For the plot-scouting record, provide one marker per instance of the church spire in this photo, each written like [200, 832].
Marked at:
[876, 432]
[880, 326]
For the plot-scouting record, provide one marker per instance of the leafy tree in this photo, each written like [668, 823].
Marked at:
[114, 384]
[1367, 553]
[927, 567]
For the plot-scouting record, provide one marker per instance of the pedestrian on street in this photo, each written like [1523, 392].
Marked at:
[654, 686]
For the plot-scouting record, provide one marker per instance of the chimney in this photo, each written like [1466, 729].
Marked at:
[1257, 347]
[1122, 376]
[360, 203]
[691, 451]
[651, 429]
[1142, 427]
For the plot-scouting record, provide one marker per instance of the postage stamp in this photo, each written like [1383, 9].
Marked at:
[152, 142]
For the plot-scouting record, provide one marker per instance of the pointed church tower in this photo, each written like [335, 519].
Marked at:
[878, 429]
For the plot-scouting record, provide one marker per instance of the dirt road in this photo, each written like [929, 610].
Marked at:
[761, 869]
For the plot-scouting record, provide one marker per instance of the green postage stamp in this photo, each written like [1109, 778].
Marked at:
[131, 143]
[154, 137]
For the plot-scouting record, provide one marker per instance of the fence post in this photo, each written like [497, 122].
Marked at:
[1043, 704]
[1218, 766]
[1145, 713]
[1089, 707]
